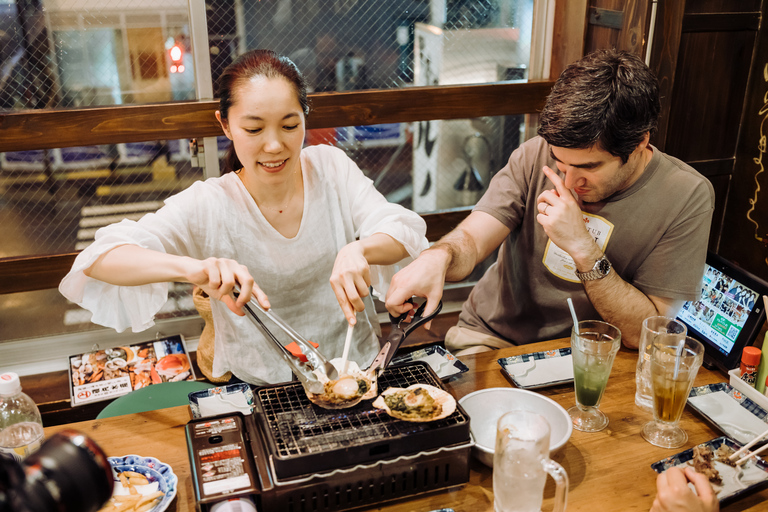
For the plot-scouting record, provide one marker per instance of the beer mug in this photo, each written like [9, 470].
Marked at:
[521, 463]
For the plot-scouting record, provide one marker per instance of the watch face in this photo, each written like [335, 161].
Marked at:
[604, 266]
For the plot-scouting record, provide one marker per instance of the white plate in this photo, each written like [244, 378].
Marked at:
[730, 411]
[443, 362]
[154, 470]
[539, 369]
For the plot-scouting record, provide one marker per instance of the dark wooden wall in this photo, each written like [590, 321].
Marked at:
[745, 240]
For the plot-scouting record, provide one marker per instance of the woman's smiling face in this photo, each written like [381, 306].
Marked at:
[266, 125]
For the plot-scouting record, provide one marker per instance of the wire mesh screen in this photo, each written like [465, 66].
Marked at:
[344, 45]
[80, 53]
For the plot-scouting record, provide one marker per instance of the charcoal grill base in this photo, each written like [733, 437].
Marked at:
[374, 485]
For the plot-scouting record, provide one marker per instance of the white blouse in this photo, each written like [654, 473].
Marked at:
[219, 218]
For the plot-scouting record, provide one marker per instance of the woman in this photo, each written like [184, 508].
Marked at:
[287, 218]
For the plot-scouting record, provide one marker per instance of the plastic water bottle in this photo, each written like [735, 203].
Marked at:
[21, 427]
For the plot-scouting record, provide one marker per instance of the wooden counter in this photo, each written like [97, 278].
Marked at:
[608, 470]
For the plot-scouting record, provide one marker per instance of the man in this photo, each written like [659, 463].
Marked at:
[587, 210]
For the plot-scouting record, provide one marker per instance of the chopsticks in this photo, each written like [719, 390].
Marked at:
[747, 447]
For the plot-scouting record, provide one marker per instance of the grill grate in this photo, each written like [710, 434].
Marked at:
[297, 430]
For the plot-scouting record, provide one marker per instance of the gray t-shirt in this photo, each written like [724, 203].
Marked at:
[654, 233]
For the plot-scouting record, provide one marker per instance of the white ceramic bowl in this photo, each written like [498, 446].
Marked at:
[486, 406]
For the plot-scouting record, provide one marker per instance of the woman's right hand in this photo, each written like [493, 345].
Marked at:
[217, 277]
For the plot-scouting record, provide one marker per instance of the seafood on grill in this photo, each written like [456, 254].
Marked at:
[346, 391]
[419, 403]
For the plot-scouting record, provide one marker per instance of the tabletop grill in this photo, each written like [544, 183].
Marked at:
[310, 459]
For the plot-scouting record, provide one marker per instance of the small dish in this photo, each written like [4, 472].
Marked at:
[443, 362]
[730, 411]
[154, 470]
[750, 477]
[221, 400]
[539, 369]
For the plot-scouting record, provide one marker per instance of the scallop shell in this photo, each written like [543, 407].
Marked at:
[442, 397]
[354, 370]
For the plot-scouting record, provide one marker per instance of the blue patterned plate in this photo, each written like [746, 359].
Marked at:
[729, 411]
[443, 362]
[154, 470]
[750, 477]
[539, 369]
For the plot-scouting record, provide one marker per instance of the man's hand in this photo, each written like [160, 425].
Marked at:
[674, 494]
[217, 277]
[424, 277]
[350, 279]
[560, 216]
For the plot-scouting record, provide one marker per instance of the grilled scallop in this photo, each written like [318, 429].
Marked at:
[346, 391]
[419, 403]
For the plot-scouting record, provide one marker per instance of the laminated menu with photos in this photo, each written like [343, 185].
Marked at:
[109, 373]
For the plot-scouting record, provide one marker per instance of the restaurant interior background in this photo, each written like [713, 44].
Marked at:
[429, 97]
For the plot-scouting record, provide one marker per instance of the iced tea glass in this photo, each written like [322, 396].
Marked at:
[593, 350]
[521, 463]
[653, 327]
[674, 365]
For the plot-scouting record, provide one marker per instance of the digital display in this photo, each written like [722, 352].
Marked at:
[721, 311]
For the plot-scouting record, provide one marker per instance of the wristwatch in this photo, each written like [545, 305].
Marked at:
[601, 269]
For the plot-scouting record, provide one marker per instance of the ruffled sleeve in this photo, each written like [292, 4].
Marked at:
[121, 307]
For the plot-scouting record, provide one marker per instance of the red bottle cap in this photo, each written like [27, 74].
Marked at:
[751, 356]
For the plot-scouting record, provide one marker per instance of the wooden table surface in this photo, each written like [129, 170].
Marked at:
[608, 470]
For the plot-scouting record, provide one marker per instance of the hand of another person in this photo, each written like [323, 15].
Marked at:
[350, 279]
[560, 216]
[674, 494]
[217, 277]
[424, 277]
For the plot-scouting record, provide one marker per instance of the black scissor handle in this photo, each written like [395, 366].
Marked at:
[414, 318]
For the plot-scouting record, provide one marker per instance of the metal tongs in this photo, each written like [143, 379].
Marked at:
[402, 326]
[305, 371]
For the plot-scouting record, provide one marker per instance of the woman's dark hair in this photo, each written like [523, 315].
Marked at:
[251, 64]
[609, 98]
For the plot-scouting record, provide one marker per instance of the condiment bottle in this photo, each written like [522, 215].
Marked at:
[762, 370]
[765, 385]
[750, 358]
[21, 427]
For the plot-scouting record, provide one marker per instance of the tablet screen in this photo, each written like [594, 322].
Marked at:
[721, 311]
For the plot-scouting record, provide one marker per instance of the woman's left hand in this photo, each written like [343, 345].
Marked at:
[351, 279]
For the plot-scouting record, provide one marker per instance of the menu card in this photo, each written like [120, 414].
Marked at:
[106, 374]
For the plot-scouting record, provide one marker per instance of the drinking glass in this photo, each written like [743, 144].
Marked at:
[521, 463]
[653, 327]
[674, 365]
[593, 350]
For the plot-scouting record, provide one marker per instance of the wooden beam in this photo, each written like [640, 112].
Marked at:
[46, 129]
[31, 273]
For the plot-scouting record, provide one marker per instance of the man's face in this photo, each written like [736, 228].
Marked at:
[594, 174]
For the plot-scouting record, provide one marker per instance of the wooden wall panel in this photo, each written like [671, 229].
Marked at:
[708, 96]
[703, 53]
[745, 239]
[630, 36]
